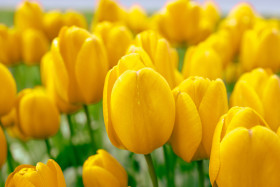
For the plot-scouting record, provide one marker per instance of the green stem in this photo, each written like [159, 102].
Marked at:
[151, 168]
[169, 163]
[200, 173]
[48, 146]
[89, 129]
[70, 124]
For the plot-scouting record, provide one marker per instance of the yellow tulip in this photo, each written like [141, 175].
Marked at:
[53, 22]
[245, 151]
[103, 170]
[114, 35]
[28, 15]
[8, 90]
[80, 65]
[260, 48]
[49, 174]
[3, 147]
[137, 102]
[232, 72]
[74, 18]
[137, 19]
[34, 45]
[47, 77]
[199, 105]
[10, 42]
[160, 54]
[37, 115]
[260, 90]
[202, 61]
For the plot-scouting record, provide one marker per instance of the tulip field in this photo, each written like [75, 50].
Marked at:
[121, 96]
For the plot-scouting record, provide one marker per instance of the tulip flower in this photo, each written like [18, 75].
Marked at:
[49, 174]
[160, 54]
[103, 170]
[34, 45]
[28, 15]
[73, 18]
[137, 19]
[137, 102]
[202, 61]
[8, 90]
[260, 48]
[36, 114]
[260, 90]
[114, 35]
[80, 65]
[245, 151]
[53, 22]
[47, 77]
[10, 42]
[199, 105]
[3, 147]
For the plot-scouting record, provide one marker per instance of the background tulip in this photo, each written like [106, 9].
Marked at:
[199, 105]
[8, 90]
[49, 174]
[137, 102]
[260, 90]
[3, 147]
[137, 19]
[103, 170]
[242, 144]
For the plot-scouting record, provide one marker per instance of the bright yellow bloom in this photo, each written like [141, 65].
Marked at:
[260, 48]
[10, 42]
[34, 45]
[80, 65]
[202, 61]
[114, 35]
[28, 15]
[137, 102]
[8, 90]
[260, 90]
[47, 77]
[245, 151]
[74, 18]
[49, 174]
[137, 19]
[103, 170]
[36, 113]
[3, 147]
[199, 105]
[232, 72]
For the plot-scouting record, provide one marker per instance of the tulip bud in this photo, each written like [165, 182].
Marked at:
[137, 102]
[199, 105]
[244, 143]
[73, 18]
[8, 90]
[137, 19]
[38, 117]
[112, 36]
[80, 65]
[35, 45]
[53, 22]
[202, 61]
[103, 170]
[49, 174]
[28, 15]
[3, 147]
[260, 90]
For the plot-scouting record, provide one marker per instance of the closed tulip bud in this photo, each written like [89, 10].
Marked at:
[53, 21]
[137, 19]
[3, 148]
[8, 90]
[80, 65]
[37, 114]
[202, 61]
[243, 143]
[114, 35]
[49, 174]
[260, 49]
[211, 12]
[160, 53]
[47, 77]
[28, 15]
[199, 105]
[260, 90]
[103, 170]
[35, 45]
[137, 102]
[73, 18]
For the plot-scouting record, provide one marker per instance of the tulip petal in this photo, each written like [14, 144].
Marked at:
[48, 176]
[55, 168]
[3, 147]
